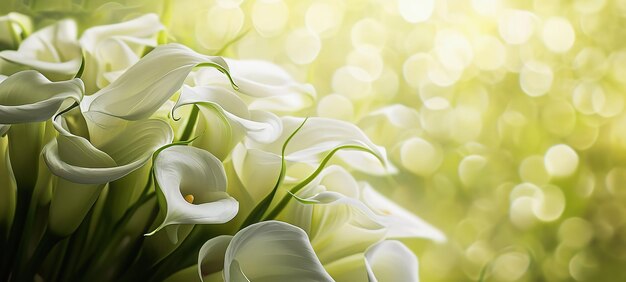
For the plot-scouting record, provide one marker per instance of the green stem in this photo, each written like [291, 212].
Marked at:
[285, 200]
[26, 272]
[259, 210]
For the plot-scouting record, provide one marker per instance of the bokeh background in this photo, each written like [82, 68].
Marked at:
[505, 118]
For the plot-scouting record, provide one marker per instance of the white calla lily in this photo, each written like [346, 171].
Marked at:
[265, 251]
[317, 136]
[28, 96]
[76, 159]
[84, 169]
[145, 86]
[192, 188]
[52, 50]
[13, 28]
[222, 108]
[390, 261]
[398, 222]
[111, 49]
[272, 88]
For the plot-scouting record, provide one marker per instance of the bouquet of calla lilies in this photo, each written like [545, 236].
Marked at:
[126, 158]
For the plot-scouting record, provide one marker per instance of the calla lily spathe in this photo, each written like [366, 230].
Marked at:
[13, 28]
[111, 49]
[336, 186]
[192, 188]
[28, 96]
[391, 261]
[226, 119]
[76, 159]
[53, 51]
[317, 137]
[265, 251]
[145, 86]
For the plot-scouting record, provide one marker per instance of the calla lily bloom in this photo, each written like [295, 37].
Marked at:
[192, 188]
[111, 49]
[316, 137]
[13, 28]
[265, 251]
[28, 96]
[145, 86]
[267, 86]
[84, 169]
[391, 261]
[226, 119]
[336, 186]
[53, 51]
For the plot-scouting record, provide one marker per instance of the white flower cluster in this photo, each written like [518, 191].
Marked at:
[127, 158]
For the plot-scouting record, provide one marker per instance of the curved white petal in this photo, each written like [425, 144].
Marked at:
[272, 87]
[260, 126]
[52, 50]
[183, 171]
[272, 251]
[28, 96]
[145, 86]
[320, 135]
[390, 261]
[111, 49]
[76, 159]
[399, 221]
[211, 255]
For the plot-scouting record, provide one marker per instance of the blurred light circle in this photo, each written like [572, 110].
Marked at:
[415, 69]
[368, 32]
[584, 136]
[558, 117]
[221, 24]
[490, 54]
[581, 267]
[470, 169]
[590, 64]
[551, 205]
[269, 17]
[368, 59]
[442, 76]
[420, 156]
[521, 212]
[510, 266]
[467, 124]
[533, 170]
[352, 82]
[588, 97]
[335, 106]
[536, 78]
[516, 26]
[322, 17]
[453, 49]
[558, 34]
[589, 6]
[302, 46]
[561, 160]
[575, 232]
[415, 11]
